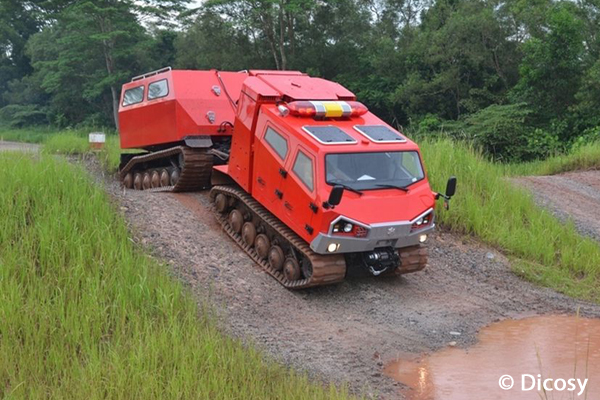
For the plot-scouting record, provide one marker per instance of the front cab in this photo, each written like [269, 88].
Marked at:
[387, 202]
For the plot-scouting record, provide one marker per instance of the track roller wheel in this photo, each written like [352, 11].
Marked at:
[165, 179]
[306, 267]
[175, 176]
[146, 181]
[137, 181]
[128, 180]
[248, 233]
[276, 258]
[236, 220]
[221, 202]
[291, 269]
[155, 179]
[262, 245]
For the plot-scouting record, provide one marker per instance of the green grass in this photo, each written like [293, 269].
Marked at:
[580, 158]
[488, 206]
[66, 143]
[70, 143]
[84, 315]
[28, 135]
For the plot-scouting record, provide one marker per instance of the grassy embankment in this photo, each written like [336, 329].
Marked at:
[488, 206]
[85, 315]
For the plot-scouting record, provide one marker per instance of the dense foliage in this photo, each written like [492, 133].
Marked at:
[519, 78]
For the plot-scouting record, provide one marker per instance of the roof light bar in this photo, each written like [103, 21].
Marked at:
[327, 109]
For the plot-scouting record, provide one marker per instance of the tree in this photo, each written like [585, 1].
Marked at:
[457, 62]
[552, 67]
[94, 47]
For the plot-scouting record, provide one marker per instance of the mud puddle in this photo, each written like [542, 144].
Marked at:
[529, 353]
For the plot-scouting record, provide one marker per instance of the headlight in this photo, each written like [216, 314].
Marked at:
[332, 248]
[344, 227]
[422, 222]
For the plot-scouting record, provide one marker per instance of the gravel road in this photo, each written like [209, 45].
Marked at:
[346, 332]
[15, 146]
[574, 195]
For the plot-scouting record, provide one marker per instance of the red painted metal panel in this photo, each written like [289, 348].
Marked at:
[304, 87]
[183, 111]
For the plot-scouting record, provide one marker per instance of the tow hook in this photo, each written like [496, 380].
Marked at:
[381, 260]
[450, 191]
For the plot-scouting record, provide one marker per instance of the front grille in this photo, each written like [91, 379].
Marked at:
[361, 231]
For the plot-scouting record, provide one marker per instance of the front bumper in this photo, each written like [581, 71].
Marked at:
[393, 234]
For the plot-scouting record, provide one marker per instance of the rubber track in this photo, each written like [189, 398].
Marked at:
[327, 269]
[412, 259]
[195, 174]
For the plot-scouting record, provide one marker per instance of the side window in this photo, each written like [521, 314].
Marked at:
[133, 96]
[303, 168]
[277, 142]
[158, 89]
[411, 162]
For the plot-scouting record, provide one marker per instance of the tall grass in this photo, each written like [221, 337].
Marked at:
[70, 143]
[84, 315]
[579, 158]
[27, 135]
[487, 205]
[67, 143]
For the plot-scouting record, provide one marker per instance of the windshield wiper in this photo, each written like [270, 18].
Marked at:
[385, 185]
[350, 188]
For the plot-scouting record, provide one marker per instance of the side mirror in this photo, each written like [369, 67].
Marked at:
[451, 187]
[335, 197]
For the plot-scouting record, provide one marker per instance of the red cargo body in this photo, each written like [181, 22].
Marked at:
[184, 110]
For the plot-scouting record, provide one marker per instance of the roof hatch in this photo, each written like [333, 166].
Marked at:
[380, 133]
[329, 134]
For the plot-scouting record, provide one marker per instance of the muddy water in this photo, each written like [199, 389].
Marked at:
[548, 347]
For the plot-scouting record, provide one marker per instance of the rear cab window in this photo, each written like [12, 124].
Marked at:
[133, 96]
[158, 89]
[304, 170]
[277, 142]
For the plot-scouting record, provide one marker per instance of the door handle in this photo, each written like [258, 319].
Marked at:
[288, 206]
[261, 181]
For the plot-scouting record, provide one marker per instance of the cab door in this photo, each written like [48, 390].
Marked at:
[299, 202]
[271, 153]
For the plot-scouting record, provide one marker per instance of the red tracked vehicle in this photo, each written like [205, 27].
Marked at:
[307, 180]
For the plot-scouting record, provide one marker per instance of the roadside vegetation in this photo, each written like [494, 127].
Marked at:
[27, 135]
[581, 157]
[70, 143]
[84, 314]
[489, 206]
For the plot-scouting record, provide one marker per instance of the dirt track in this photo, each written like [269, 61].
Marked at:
[14, 146]
[345, 332]
[574, 195]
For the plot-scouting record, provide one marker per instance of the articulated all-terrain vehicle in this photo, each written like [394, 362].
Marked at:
[304, 178]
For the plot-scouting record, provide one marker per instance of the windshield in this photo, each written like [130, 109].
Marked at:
[374, 170]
